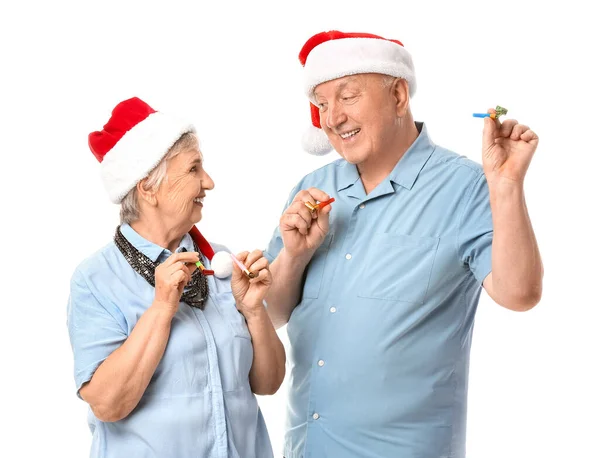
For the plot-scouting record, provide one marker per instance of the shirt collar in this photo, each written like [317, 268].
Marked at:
[151, 250]
[407, 169]
[409, 166]
[348, 175]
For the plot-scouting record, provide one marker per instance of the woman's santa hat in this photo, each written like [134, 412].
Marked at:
[132, 143]
[220, 262]
[330, 55]
[130, 146]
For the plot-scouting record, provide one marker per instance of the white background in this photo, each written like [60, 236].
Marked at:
[233, 70]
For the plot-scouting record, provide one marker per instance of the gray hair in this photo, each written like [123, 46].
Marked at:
[130, 210]
[387, 80]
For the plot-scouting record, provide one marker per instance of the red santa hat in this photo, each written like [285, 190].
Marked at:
[132, 143]
[334, 54]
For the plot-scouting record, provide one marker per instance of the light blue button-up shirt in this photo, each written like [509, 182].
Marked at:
[199, 402]
[380, 340]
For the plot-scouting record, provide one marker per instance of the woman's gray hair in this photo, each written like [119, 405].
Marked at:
[130, 210]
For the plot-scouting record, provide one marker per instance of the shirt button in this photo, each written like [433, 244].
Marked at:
[361, 206]
[315, 416]
[348, 256]
[332, 309]
[321, 363]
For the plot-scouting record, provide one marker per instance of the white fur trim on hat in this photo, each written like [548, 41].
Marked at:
[350, 56]
[139, 151]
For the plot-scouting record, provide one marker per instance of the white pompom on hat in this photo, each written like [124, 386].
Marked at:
[222, 264]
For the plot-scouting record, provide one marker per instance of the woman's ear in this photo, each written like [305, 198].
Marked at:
[145, 194]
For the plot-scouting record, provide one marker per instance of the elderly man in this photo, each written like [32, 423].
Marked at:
[379, 288]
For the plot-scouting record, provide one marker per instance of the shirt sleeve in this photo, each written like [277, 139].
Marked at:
[476, 230]
[95, 330]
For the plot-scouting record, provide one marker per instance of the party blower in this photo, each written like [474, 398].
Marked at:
[315, 207]
[243, 267]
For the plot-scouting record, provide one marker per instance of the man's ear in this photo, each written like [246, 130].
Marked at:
[144, 194]
[401, 93]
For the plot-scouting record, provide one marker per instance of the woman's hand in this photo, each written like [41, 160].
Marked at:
[249, 293]
[170, 279]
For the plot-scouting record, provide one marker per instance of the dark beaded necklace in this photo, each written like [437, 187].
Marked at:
[196, 291]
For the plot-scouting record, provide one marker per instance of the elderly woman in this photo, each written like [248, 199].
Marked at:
[168, 357]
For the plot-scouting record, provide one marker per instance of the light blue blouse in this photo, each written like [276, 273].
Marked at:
[199, 402]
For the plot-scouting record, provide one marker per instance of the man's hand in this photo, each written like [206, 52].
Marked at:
[507, 150]
[303, 231]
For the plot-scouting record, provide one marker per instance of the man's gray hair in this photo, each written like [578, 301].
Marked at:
[387, 80]
[130, 210]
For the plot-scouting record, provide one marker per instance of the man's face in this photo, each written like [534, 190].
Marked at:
[358, 114]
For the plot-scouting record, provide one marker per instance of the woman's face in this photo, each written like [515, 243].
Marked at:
[180, 195]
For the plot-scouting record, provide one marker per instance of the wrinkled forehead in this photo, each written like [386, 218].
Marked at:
[189, 155]
[335, 86]
[194, 154]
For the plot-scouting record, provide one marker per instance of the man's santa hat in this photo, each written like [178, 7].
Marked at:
[334, 54]
[132, 143]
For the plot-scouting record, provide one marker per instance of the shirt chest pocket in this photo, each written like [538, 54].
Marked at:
[225, 304]
[315, 269]
[233, 344]
[398, 267]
